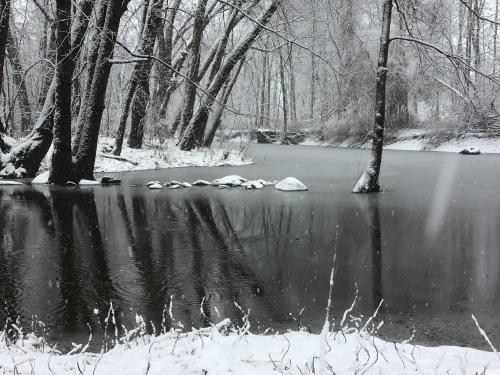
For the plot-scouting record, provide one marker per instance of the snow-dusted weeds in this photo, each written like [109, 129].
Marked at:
[161, 157]
[213, 351]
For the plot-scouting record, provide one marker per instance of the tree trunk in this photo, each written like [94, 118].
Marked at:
[194, 64]
[293, 99]
[217, 116]
[87, 145]
[196, 129]
[263, 90]
[18, 78]
[4, 31]
[495, 38]
[139, 74]
[61, 167]
[284, 136]
[141, 97]
[312, 95]
[369, 180]
[92, 56]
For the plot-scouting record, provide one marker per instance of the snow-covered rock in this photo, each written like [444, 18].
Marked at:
[472, 150]
[9, 171]
[253, 185]
[290, 184]
[232, 180]
[154, 185]
[42, 178]
[107, 180]
[89, 182]
[201, 183]
[174, 186]
[186, 185]
[5, 182]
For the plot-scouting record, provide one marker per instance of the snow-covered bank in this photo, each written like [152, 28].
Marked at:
[166, 156]
[208, 351]
[418, 140]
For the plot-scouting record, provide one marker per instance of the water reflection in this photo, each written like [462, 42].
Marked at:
[65, 254]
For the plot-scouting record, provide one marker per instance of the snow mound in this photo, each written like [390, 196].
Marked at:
[290, 184]
[89, 182]
[5, 182]
[154, 185]
[472, 150]
[42, 178]
[201, 183]
[211, 351]
[251, 185]
[232, 180]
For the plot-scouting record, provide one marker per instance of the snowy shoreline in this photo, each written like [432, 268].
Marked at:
[416, 140]
[214, 351]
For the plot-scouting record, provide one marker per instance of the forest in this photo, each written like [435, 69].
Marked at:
[184, 187]
[191, 72]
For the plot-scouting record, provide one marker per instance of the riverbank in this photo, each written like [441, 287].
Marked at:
[164, 156]
[422, 140]
[211, 351]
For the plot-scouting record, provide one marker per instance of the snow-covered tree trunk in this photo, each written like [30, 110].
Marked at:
[87, 147]
[61, 167]
[4, 31]
[217, 116]
[195, 131]
[138, 79]
[369, 180]
[17, 77]
[194, 65]
[142, 94]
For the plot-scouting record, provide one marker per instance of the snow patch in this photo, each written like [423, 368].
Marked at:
[290, 184]
[253, 185]
[42, 178]
[89, 183]
[6, 182]
[232, 180]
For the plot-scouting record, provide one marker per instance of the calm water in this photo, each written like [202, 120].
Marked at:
[428, 246]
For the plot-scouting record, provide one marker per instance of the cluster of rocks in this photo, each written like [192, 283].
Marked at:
[287, 184]
[472, 150]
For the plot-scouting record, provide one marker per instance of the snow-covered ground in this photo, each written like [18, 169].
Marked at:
[166, 156]
[414, 140]
[161, 157]
[209, 351]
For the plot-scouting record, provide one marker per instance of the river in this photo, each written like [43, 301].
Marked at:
[427, 248]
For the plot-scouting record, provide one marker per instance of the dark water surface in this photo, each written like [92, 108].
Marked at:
[428, 246]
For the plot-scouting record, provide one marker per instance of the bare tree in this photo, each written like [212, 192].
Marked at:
[369, 180]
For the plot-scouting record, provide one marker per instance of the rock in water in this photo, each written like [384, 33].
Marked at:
[88, 183]
[186, 185]
[290, 184]
[154, 185]
[106, 180]
[202, 183]
[232, 180]
[174, 186]
[470, 151]
[253, 184]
